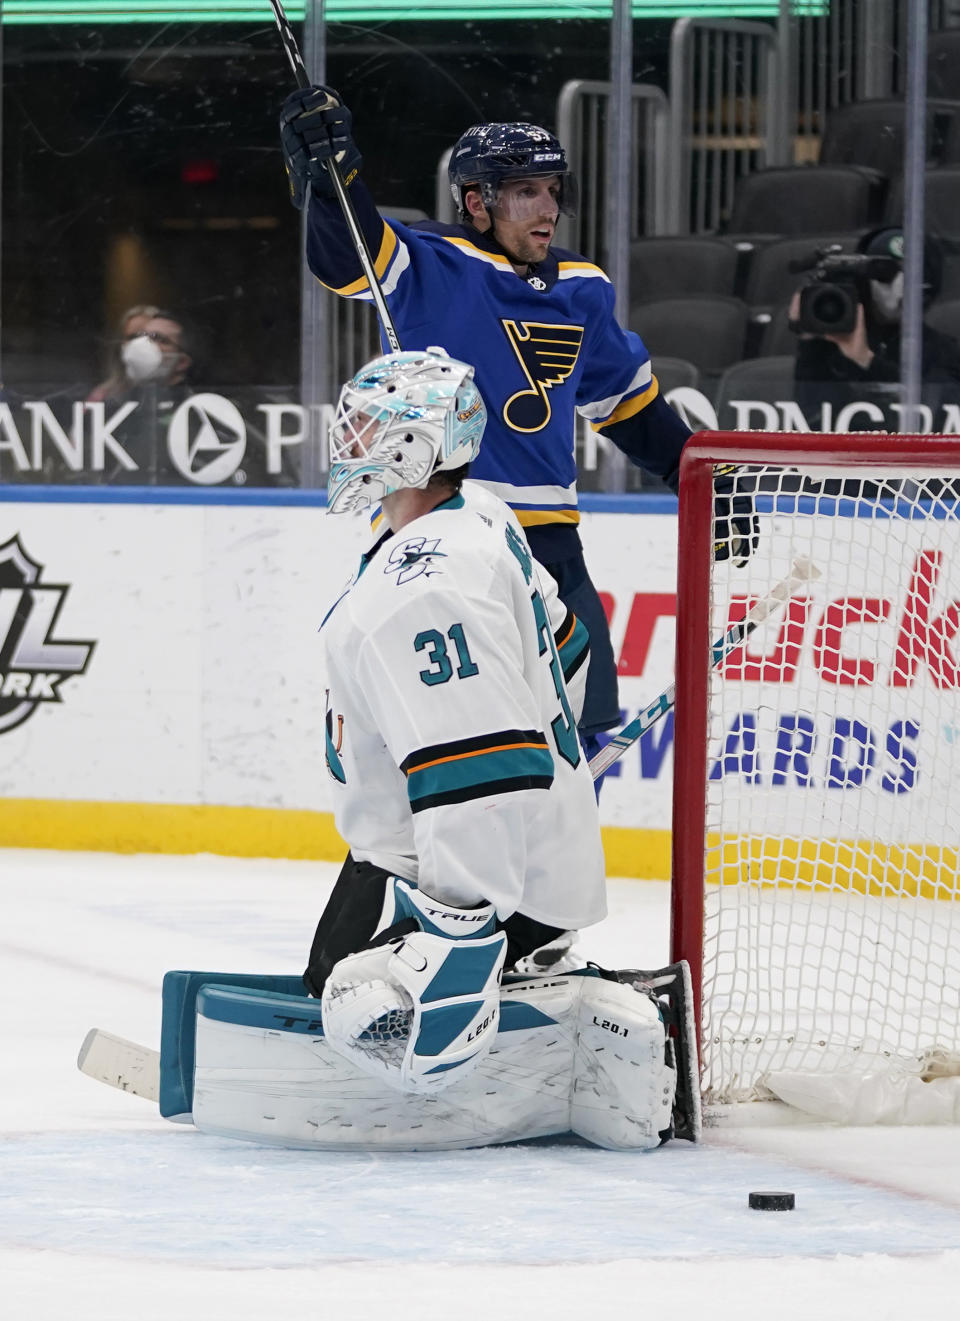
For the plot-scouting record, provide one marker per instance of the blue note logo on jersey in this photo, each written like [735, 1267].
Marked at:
[547, 355]
[414, 557]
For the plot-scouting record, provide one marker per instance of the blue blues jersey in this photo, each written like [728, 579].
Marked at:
[542, 346]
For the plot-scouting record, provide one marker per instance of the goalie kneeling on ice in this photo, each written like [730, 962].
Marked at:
[582, 1053]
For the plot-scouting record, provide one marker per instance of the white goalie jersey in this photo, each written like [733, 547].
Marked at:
[451, 737]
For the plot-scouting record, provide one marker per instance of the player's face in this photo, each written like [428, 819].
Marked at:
[525, 216]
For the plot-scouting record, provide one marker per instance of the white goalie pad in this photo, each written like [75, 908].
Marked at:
[573, 1054]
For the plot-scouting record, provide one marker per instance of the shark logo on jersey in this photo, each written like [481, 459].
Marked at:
[413, 558]
[547, 354]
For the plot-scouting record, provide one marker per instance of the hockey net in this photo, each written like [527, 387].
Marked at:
[817, 773]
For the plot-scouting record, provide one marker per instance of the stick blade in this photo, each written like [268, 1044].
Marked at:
[120, 1063]
[804, 569]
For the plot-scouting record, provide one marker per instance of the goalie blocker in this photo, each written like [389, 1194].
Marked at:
[608, 1056]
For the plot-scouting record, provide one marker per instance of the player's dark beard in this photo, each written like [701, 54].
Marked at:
[515, 258]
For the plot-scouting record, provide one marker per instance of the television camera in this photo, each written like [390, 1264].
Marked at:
[837, 286]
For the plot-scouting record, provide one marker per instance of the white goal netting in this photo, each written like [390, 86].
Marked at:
[831, 927]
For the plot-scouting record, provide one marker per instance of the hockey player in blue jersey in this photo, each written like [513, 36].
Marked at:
[536, 322]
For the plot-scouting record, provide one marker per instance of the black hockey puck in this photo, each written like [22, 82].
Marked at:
[772, 1201]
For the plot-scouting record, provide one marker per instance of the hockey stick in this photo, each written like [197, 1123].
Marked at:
[346, 205]
[802, 571]
[120, 1063]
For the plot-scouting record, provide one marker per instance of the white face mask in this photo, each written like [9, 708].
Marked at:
[142, 360]
[887, 297]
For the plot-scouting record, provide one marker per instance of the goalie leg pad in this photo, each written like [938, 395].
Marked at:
[623, 1084]
[264, 1071]
[671, 988]
[177, 1046]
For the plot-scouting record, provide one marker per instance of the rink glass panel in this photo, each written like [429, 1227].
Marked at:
[154, 176]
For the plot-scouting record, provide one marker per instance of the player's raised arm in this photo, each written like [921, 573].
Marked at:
[315, 128]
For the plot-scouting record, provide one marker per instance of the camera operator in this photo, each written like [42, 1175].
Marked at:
[848, 319]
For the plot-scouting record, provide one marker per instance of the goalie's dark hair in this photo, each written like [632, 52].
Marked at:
[451, 480]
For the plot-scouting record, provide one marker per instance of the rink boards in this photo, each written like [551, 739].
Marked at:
[162, 686]
[162, 682]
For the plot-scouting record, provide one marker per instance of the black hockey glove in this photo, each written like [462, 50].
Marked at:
[314, 129]
[736, 529]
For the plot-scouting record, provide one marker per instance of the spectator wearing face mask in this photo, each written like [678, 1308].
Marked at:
[132, 322]
[862, 366]
[157, 360]
[158, 354]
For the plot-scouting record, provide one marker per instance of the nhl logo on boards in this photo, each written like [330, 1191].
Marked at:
[536, 283]
[32, 664]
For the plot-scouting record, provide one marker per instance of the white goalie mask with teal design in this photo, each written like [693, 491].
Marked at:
[402, 418]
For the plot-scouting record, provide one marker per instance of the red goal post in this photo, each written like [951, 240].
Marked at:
[816, 818]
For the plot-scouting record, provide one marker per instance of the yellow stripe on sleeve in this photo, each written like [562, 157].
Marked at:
[388, 247]
[630, 407]
[580, 266]
[532, 517]
[465, 245]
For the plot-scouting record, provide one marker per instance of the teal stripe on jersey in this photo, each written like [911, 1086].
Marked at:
[506, 770]
[574, 649]
[334, 764]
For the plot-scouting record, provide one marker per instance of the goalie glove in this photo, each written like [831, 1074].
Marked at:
[421, 1007]
[315, 127]
[736, 528]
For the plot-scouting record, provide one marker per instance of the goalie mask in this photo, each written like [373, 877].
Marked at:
[402, 418]
[488, 155]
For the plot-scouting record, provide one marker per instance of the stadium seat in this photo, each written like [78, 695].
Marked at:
[770, 281]
[950, 285]
[709, 332]
[665, 267]
[671, 373]
[944, 316]
[943, 63]
[871, 133]
[768, 380]
[798, 199]
[772, 334]
[941, 201]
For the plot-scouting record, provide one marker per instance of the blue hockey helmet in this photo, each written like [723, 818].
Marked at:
[488, 154]
[402, 417]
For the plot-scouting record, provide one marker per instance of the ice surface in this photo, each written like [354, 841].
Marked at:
[107, 1211]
